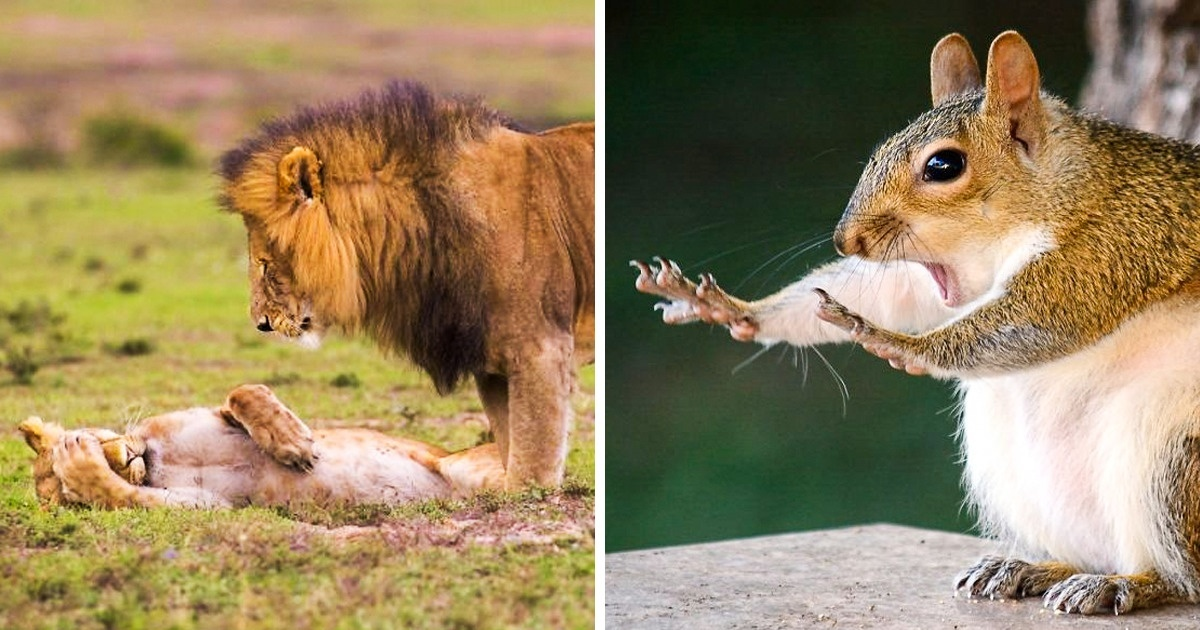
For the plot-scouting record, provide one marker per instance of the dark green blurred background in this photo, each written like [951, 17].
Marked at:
[734, 131]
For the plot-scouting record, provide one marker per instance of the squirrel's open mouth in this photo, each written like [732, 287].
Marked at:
[947, 284]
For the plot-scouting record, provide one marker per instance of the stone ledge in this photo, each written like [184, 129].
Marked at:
[873, 576]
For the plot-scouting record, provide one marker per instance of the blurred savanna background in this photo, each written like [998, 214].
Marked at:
[735, 135]
[123, 294]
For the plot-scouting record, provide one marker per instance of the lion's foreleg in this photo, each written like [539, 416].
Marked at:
[539, 412]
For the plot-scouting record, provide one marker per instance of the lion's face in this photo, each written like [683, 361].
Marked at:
[276, 304]
[125, 455]
[303, 261]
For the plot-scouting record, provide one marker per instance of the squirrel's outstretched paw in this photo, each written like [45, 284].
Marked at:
[690, 302]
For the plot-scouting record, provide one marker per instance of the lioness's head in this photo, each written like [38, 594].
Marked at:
[125, 455]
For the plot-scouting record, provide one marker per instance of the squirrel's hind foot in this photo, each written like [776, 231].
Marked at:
[1064, 588]
[1091, 594]
[995, 577]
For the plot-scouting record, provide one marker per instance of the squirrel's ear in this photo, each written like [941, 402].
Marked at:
[300, 174]
[1013, 86]
[953, 69]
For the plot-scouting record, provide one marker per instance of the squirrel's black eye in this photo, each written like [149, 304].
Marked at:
[944, 166]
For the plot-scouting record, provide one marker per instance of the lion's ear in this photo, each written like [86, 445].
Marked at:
[39, 435]
[300, 174]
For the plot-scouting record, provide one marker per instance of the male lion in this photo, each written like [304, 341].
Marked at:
[439, 229]
[251, 451]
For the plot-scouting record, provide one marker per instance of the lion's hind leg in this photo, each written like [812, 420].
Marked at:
[274, 428]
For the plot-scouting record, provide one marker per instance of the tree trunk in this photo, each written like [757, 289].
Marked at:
[1146, 66]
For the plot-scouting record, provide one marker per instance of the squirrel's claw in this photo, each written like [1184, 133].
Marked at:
[1091, 594]
[832, 311]
[688, 302]
[866, 334]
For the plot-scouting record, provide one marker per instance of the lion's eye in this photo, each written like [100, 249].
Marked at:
[945, 165]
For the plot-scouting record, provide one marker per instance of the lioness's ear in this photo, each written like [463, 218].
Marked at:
[1012, 89]
[953, 69]
[37, 434]
[300, 174]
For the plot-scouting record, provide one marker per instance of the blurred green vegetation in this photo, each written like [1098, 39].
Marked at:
[124, 139]
[735, 134]
[213, 72]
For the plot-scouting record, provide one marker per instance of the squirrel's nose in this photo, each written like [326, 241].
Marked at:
[846, 246]
[265, 324]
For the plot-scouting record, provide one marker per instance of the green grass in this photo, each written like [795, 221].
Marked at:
[79, 240]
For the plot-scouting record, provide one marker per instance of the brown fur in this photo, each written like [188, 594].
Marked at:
[435, 227]
[251, 451]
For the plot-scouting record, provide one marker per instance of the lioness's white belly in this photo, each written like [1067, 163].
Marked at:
[1069, 460]
[197, 449]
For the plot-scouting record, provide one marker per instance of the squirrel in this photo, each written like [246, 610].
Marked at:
[1049, 261]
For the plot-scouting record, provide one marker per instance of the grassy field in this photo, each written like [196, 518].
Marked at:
[137, 288]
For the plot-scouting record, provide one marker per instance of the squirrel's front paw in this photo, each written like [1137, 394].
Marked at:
[690, 302]
[866, 334]
[995, 577]
[80, 465]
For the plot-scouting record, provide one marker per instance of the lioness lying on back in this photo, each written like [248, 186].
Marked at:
[251, 451]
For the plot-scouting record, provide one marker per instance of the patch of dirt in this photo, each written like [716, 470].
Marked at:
[558, 520]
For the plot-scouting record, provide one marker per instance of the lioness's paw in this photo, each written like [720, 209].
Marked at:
[79, 463]
[287, 440]
[273, 427]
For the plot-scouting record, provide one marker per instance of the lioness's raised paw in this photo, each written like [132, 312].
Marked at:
[273, 427]
[690, 302]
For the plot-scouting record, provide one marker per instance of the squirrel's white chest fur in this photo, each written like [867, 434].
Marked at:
[1068, 460]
